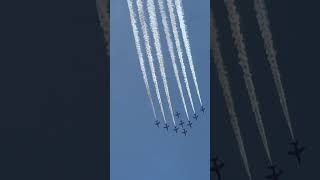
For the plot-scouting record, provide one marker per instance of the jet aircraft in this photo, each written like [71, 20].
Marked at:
[181, 123]
[166, 126]
[203, 108]
[216, 167]
[296, 151]
[195, 116]
[157, 123]
[184, 132]
[275, 174]
[176, 129]
[177, 115]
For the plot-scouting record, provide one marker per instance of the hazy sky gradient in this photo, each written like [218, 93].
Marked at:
[139, 150]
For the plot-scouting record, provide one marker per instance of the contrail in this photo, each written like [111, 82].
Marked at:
[222, 75]
[103, 14]
[264, 25]
[187, 44]
[171, 52]
[156, 37]
[149, 53]
[139, 52]
[179, 50]
[234, 19]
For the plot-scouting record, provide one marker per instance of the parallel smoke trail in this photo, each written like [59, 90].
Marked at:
[234, 19]
[187, 44]
[149, 53]
[222, 74]
[139, 52]
[264, 25]
[103, 14]
[156, 37]
[171, 52]
[180, 53]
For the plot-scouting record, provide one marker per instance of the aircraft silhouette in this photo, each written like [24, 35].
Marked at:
[189, 124]
[275, 175]
[157, 123]
[216, 167]
[177, 114]
[184, 132]
[203, 108]
[296, 151]
[176, 129]
[195, 116]
[181, 123]
[166, 126]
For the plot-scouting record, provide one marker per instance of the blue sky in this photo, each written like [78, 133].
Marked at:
[139, 150]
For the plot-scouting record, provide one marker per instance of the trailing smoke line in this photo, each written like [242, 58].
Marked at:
[171, 52]
[103, 14]
[179, 50]
[139, 52]
[156, 37]
[264, 25]
[149, 53]
[222, 75]
[185, 38]
[242, 54]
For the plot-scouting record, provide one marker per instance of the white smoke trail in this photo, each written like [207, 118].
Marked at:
[149, 53]
[185, 38]
[234, 19]
[156, 37]
[222, 75]
[171, 52]
[264, 25]
[179, 50]
[139, 52]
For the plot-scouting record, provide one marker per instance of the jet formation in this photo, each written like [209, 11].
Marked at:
[183, 125]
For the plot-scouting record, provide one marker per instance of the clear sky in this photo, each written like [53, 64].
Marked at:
[139, 150]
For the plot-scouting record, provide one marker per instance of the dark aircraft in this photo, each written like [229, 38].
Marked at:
[181, 123]
[296, 151]
[195, 116]
[203, 108]
[275, 175]
[184, 132]
[166, 126]
[157, 123]
[176, 129]
[177, 114]
[189, 124]
[216, 167]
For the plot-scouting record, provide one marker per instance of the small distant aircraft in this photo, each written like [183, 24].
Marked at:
[189, 124]
[296, 151]
[275, 175]
[177, 114]
[203, 108]
[184, 132]
[181, 123]
[166, 126]
[157, 123]
[195, 116]
[216, 167]
[176, 129]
